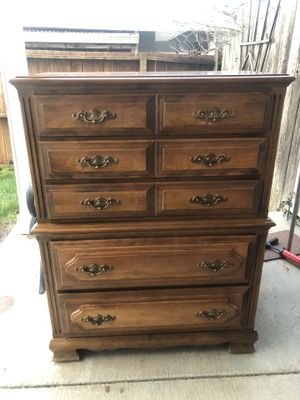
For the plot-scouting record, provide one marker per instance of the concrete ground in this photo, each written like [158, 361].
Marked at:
[210, 373]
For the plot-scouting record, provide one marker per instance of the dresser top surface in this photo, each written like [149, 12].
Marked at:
[155, 77]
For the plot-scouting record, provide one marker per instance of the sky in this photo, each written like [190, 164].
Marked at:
[117, 14]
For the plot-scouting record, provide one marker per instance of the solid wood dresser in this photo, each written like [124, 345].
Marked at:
[151, 194]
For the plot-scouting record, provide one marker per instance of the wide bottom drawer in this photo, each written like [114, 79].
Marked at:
[152, 311]
[120, 263]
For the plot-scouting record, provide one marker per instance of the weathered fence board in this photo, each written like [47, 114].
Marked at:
[2, 103]
[5, 147]
[279, 24]
[86, 61]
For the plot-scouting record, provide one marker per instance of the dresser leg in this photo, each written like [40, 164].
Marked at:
[63, 350]
[241, 348]
[65, 355]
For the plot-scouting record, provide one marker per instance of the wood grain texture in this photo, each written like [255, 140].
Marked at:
[2, 100]
[78, 61]
[152, 311]
[72, 201]
[147, 262]
[179, 198]
[62, 346]
[191, 157]
[61, 160]
[5, 145]
[178, 113]
[152, 250]
[148, 228]
[54, 115]
[213, 80]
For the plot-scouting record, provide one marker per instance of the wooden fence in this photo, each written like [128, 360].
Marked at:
[5, 146]
[270, 42]
[93, 61]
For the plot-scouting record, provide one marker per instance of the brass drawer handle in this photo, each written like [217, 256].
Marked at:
[98, 319]
[100, 203]
[211, 314]
[215, 114]
[94, 269]
[210, 159]
[215, 265]
[208, 199]
[97, 161]
[94, 116]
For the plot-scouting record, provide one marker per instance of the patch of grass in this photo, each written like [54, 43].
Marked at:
[8, 199]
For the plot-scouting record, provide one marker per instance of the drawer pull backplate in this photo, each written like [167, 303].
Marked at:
[94, 116]
[100, 203]
[210, 159]
[97, 161]
[214, 114]
[211, 314]
[208, 199]
[217, 265]
[94, 269]
[98, 319]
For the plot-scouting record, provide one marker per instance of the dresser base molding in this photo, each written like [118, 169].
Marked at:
[240, 341]
[151, 228]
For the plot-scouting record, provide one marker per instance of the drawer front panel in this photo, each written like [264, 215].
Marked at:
[154, 311]
[208, 198]
[215, 113]
[95, 264]
[94, 115]
[98, 202]
[96, 159]
[211, 157]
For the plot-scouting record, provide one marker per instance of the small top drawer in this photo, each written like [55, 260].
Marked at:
[215, 112]
[208, 198]
[93, 115]
[211, 157]
[99, 201]
[96, 159]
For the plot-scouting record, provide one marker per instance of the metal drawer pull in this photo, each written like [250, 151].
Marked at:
[210, 159]
[97, 161]
[215, 265]
[214, 114]
[98, 319]
[208, 199]
[100, 203]
[94, 116]
[94, 269]
[211, 314]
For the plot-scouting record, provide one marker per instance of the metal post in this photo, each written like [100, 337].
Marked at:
[294, 216]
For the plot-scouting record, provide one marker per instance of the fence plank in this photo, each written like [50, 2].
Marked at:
[2, 101]
[5, 147]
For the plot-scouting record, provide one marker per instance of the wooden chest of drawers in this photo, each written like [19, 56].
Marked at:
[152, 195]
